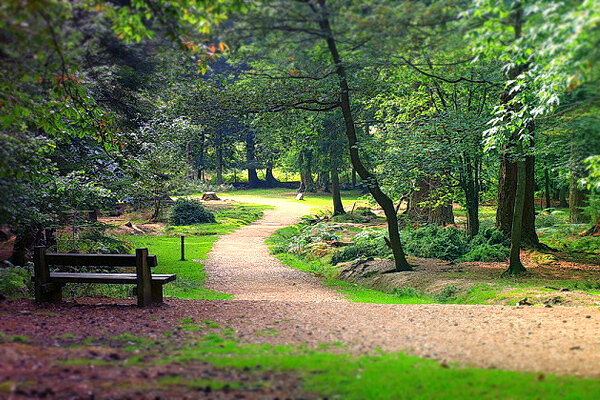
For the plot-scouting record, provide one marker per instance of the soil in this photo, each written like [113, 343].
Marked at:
[295, 308]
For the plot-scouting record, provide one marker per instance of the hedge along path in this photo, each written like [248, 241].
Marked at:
[240, 263]
[271, 297]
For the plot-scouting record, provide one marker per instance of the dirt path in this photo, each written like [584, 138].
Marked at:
[296, 306]
[240, 263]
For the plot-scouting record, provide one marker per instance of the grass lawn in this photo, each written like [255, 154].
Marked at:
[326, 371]
[316, 200]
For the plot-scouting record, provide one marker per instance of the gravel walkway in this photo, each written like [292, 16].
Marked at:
[240, 263]
[271, 296]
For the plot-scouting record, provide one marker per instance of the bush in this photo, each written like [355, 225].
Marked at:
[435, 242]
[447, 294]
[486, 252]
[310, 236]
[15, 281]
[188, 212]
[367, 244]
[91, 240]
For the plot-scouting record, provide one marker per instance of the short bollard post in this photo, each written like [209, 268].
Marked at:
[182, 248]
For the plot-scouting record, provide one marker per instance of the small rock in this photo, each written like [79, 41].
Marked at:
[524, 302]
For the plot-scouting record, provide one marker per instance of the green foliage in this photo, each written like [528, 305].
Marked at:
[486, 252]
[368, 243]
[15, 281]
[310, 236]
[190, 211]
[435, 242]
[488, 245]
[447, 294]
[91, 239]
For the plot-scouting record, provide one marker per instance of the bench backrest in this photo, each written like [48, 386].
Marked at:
[96, 260]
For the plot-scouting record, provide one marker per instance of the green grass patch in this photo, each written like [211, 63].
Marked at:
[317, 200]
[385, 376]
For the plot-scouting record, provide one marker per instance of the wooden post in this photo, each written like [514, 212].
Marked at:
[44, 291]
[42, 274]
[182, 248]
[144, 278]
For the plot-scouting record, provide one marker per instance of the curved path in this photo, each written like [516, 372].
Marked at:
[274, 298]
[240, 263]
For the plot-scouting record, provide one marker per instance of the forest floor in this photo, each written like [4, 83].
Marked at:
[286, 335]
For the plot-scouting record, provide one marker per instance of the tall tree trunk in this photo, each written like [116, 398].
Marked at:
[577, 197]
[253, 180]
[220, 164]
[157, 203]
[370, 180]
[420, 211]
[507, 188]
[324, 182]
[269, 177]
[562, 197]
[547, 188]
[353, 178]
[515, 266]
[338, 206]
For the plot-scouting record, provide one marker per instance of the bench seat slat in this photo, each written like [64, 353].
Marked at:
[91, 277]
[98, 260]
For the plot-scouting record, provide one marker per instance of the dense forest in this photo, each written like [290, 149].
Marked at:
[422, 105]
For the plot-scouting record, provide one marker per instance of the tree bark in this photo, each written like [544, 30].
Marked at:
[515, 265]
[253, 180]
[219, 164]
[547, 188]
[324, 182]
[507, 188]
[439, 215]
[338, 206]
[401, 264]
[269, 177]
[577, 197]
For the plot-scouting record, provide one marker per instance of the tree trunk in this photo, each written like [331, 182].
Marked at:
[401, 264]
[156, 211]
[324, 182]
[353, 178]
[515, 266]
[253, 180]
[338, 206]
[507, 188]
[547, 188]
[562, 197]
[420, 211]
[577, 197]
[269, 177]
[219, 164]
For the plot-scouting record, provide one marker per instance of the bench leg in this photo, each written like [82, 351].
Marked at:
[157, 293]
[48, 293]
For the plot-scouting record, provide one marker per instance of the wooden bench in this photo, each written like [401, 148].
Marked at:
[48, 285]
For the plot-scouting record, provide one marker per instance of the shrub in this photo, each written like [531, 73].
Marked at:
[368, 243]
[447, 294]
[188, 212]
[91, 240]
[435, 242]
[311, 235]
[486, 252]
[15, 281]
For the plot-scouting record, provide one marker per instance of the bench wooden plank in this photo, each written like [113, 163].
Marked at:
[93, 277]
[96, 260]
